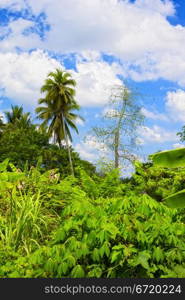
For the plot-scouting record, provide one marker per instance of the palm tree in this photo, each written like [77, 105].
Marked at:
[14, 115]
[58, 110]
[17, 117]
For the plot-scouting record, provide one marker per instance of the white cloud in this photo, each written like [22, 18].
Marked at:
[90, 28]
[91, 148]
[175, 105]
[174, 108]
[138, 33]
[156, 134]
[3, 31]
[165, 8]
[94, 82]
[14, 5]
[85, 152]
[178, 145]
[94, 144]
[22, 75]
[18, 26]
[154, 115]
[16, 37]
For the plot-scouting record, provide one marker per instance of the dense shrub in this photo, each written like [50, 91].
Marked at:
[157, 182]
[78, 230]
[28, 144]
[130, 237]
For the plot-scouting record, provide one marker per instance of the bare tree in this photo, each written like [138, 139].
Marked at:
[121, 118]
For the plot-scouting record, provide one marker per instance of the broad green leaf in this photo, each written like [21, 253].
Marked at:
[104, 250]
[62, 269]
[115, 255]
[158, 254]
[71, 261]
[142, 259]
[107, 250]
[49, 266]
[95, 255]
[118, 247]
[176, 200]
[102, 236]
[78, 272]
[169, 159]
[4, 164]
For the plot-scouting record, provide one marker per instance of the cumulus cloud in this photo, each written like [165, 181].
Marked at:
[23, 74]
[154, 115]
[174, 110]
[94, 144]
[165, 8]
[175, 104]
[14, 5]
[138, 33]
[85, 152]
[16, 37]
[94, 82]
[155, 134]
[178, 145]
[91, 148]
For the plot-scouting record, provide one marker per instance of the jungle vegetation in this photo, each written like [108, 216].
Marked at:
[61, 217]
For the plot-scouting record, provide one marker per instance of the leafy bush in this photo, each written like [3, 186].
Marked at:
[34, 144]
[157, 182]
[172, 159]
[87, 226]
[118, 237]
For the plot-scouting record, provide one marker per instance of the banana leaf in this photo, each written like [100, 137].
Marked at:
[176, 200]
[169, 159]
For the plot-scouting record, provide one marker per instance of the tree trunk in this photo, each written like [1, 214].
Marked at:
[116, 153]
[117, 137]
[68, 148]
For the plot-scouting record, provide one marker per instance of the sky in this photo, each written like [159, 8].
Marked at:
[102, 43]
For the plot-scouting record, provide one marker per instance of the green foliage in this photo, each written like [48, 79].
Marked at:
[169, 159]
[28, 206]
[176, 200]
[172, 159]
[21, 145]
[91, 226]
[92, 234]
[111, 185]
[157, 182]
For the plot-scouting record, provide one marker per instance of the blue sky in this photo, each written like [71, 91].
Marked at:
[99, 41]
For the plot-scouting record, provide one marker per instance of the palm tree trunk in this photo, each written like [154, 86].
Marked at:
[68, 148]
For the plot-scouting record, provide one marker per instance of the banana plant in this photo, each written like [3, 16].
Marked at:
[171, 159]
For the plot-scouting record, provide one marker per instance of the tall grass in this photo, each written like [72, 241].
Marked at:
[24, 221]
[29, 204]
